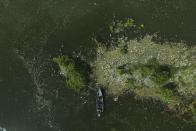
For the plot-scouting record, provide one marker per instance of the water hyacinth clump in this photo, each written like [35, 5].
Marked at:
[74, 79]
[165, 72]
[145, 57]
[122, 26]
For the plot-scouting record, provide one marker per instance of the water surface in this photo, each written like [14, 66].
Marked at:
[41, 29]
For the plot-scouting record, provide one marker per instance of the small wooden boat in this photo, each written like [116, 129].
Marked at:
[99, 102]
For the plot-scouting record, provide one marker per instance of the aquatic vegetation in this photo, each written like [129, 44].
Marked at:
[74, 79]
[165, 72]
[113, 129]
[121, 26]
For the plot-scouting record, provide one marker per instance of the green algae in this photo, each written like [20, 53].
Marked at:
[74, 79]
[120, 26]
[113, 129]
[165, 72]
[149, 73]
[158, 73]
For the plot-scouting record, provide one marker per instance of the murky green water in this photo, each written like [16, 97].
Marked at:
[32, 94]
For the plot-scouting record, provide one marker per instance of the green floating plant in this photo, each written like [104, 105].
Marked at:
[74, 79]
[165, 72]
[122, 25]
[155, 71]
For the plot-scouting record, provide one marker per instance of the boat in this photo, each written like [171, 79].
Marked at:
[99, 102]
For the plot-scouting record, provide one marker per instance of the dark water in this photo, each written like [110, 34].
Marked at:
[41, 29]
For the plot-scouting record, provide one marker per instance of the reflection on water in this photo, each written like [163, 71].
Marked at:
[2, 129]
[33, 95]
